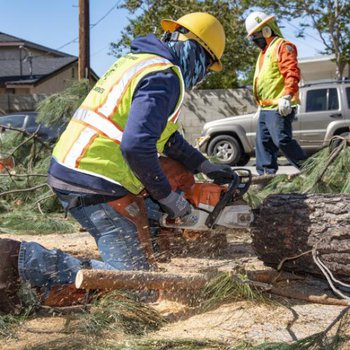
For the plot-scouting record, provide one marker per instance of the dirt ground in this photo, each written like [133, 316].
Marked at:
[233, 323]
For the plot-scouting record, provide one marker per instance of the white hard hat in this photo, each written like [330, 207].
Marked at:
[255, 21]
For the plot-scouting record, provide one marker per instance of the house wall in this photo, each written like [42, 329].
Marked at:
[57, 82]
[15, 103]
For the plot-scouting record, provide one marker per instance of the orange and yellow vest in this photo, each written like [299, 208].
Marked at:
[91, 142]
[268, 81]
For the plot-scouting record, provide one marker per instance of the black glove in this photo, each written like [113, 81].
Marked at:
[220, 173]
[175, 205]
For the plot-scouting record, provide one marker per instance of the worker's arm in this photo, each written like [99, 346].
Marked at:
[179, 149]
[154, 101]
[288, 66]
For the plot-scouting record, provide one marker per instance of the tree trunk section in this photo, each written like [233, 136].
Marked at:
[289, 224]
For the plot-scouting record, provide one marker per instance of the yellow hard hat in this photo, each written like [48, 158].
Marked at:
[205, 29]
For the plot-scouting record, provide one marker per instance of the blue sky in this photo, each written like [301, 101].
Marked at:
[54, 23]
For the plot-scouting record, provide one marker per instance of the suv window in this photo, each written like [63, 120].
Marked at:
[348, 96]
[322, 100]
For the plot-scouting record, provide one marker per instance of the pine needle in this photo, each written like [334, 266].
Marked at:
[327, 171]
[118, 310]
[223, 288]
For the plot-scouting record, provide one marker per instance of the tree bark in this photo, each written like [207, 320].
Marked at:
[288, 225]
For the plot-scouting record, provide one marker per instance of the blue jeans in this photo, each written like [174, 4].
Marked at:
[274, 132]
[115, 236]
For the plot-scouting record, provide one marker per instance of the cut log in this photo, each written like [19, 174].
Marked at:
[288, 225]
[115, 279]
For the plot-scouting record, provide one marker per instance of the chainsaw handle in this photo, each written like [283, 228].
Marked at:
[245, 180]
[236, 189]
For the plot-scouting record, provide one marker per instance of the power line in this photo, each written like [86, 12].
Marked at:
[75, 40]
[307, 34]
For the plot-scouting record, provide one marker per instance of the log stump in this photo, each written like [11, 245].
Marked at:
[290, 224]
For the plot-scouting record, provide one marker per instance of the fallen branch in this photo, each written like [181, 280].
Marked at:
[264, 179]
[115, 279]
[25, 141]
[23, 175]
[323, 299]
[24, 132]
[24, 189]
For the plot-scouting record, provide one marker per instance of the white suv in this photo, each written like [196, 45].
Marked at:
[324, 112]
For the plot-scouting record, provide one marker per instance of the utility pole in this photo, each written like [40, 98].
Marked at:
[84, 40]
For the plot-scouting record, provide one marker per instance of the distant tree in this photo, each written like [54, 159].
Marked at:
[239, 56]
[330, 18]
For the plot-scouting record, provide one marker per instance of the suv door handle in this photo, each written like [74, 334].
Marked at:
[336, 115]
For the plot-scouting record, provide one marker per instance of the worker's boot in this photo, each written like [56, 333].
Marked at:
[9, 276]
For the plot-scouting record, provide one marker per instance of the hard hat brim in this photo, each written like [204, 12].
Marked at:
[170, 26]
[255, 29]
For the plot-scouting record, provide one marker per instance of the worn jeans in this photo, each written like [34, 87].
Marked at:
[274, 133]
[116, 239]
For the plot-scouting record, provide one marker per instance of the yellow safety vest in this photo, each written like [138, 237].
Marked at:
[268, 81]
[91, 142]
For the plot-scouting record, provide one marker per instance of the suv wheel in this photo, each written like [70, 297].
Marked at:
[225, 149]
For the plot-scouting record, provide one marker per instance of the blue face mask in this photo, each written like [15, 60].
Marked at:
[194, 61]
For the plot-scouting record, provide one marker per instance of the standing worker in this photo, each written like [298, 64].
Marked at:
[276, 92]
[105, 168]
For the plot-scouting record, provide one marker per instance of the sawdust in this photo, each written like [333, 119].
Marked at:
[254, 323]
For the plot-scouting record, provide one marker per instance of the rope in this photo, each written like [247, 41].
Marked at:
[324, 269]
[329, 276]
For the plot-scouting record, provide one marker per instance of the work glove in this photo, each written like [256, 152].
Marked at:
[220, 173]
[175, 205]
[285, 105]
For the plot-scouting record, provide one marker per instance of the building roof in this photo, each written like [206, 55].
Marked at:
[10, 40]
[318, 68]
[10, 70]
[32, 68]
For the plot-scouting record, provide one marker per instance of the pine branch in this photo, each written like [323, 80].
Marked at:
[24, 190]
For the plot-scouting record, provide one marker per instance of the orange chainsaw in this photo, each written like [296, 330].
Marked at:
[215, 205]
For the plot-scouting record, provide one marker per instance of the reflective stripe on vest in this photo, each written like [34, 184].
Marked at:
[98, 124]
[118, 90]
[268, 80]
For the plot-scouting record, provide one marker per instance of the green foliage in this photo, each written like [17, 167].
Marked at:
[225, 288]
[239, 57]
[324, 172]
[118, 310]
[25, 198]
[57, 109]
[26, 220]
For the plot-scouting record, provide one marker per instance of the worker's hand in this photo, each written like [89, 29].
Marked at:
[285, 105]
[175, 205]
[220, 173]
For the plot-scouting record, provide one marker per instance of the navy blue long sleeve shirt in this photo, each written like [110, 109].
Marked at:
[154, 100]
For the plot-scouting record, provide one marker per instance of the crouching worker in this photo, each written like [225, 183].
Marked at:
[105, 168]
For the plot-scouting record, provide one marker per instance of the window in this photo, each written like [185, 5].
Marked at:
[348, 96]
[322, 100]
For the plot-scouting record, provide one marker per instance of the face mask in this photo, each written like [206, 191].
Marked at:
[260, 42]
[193, 59]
